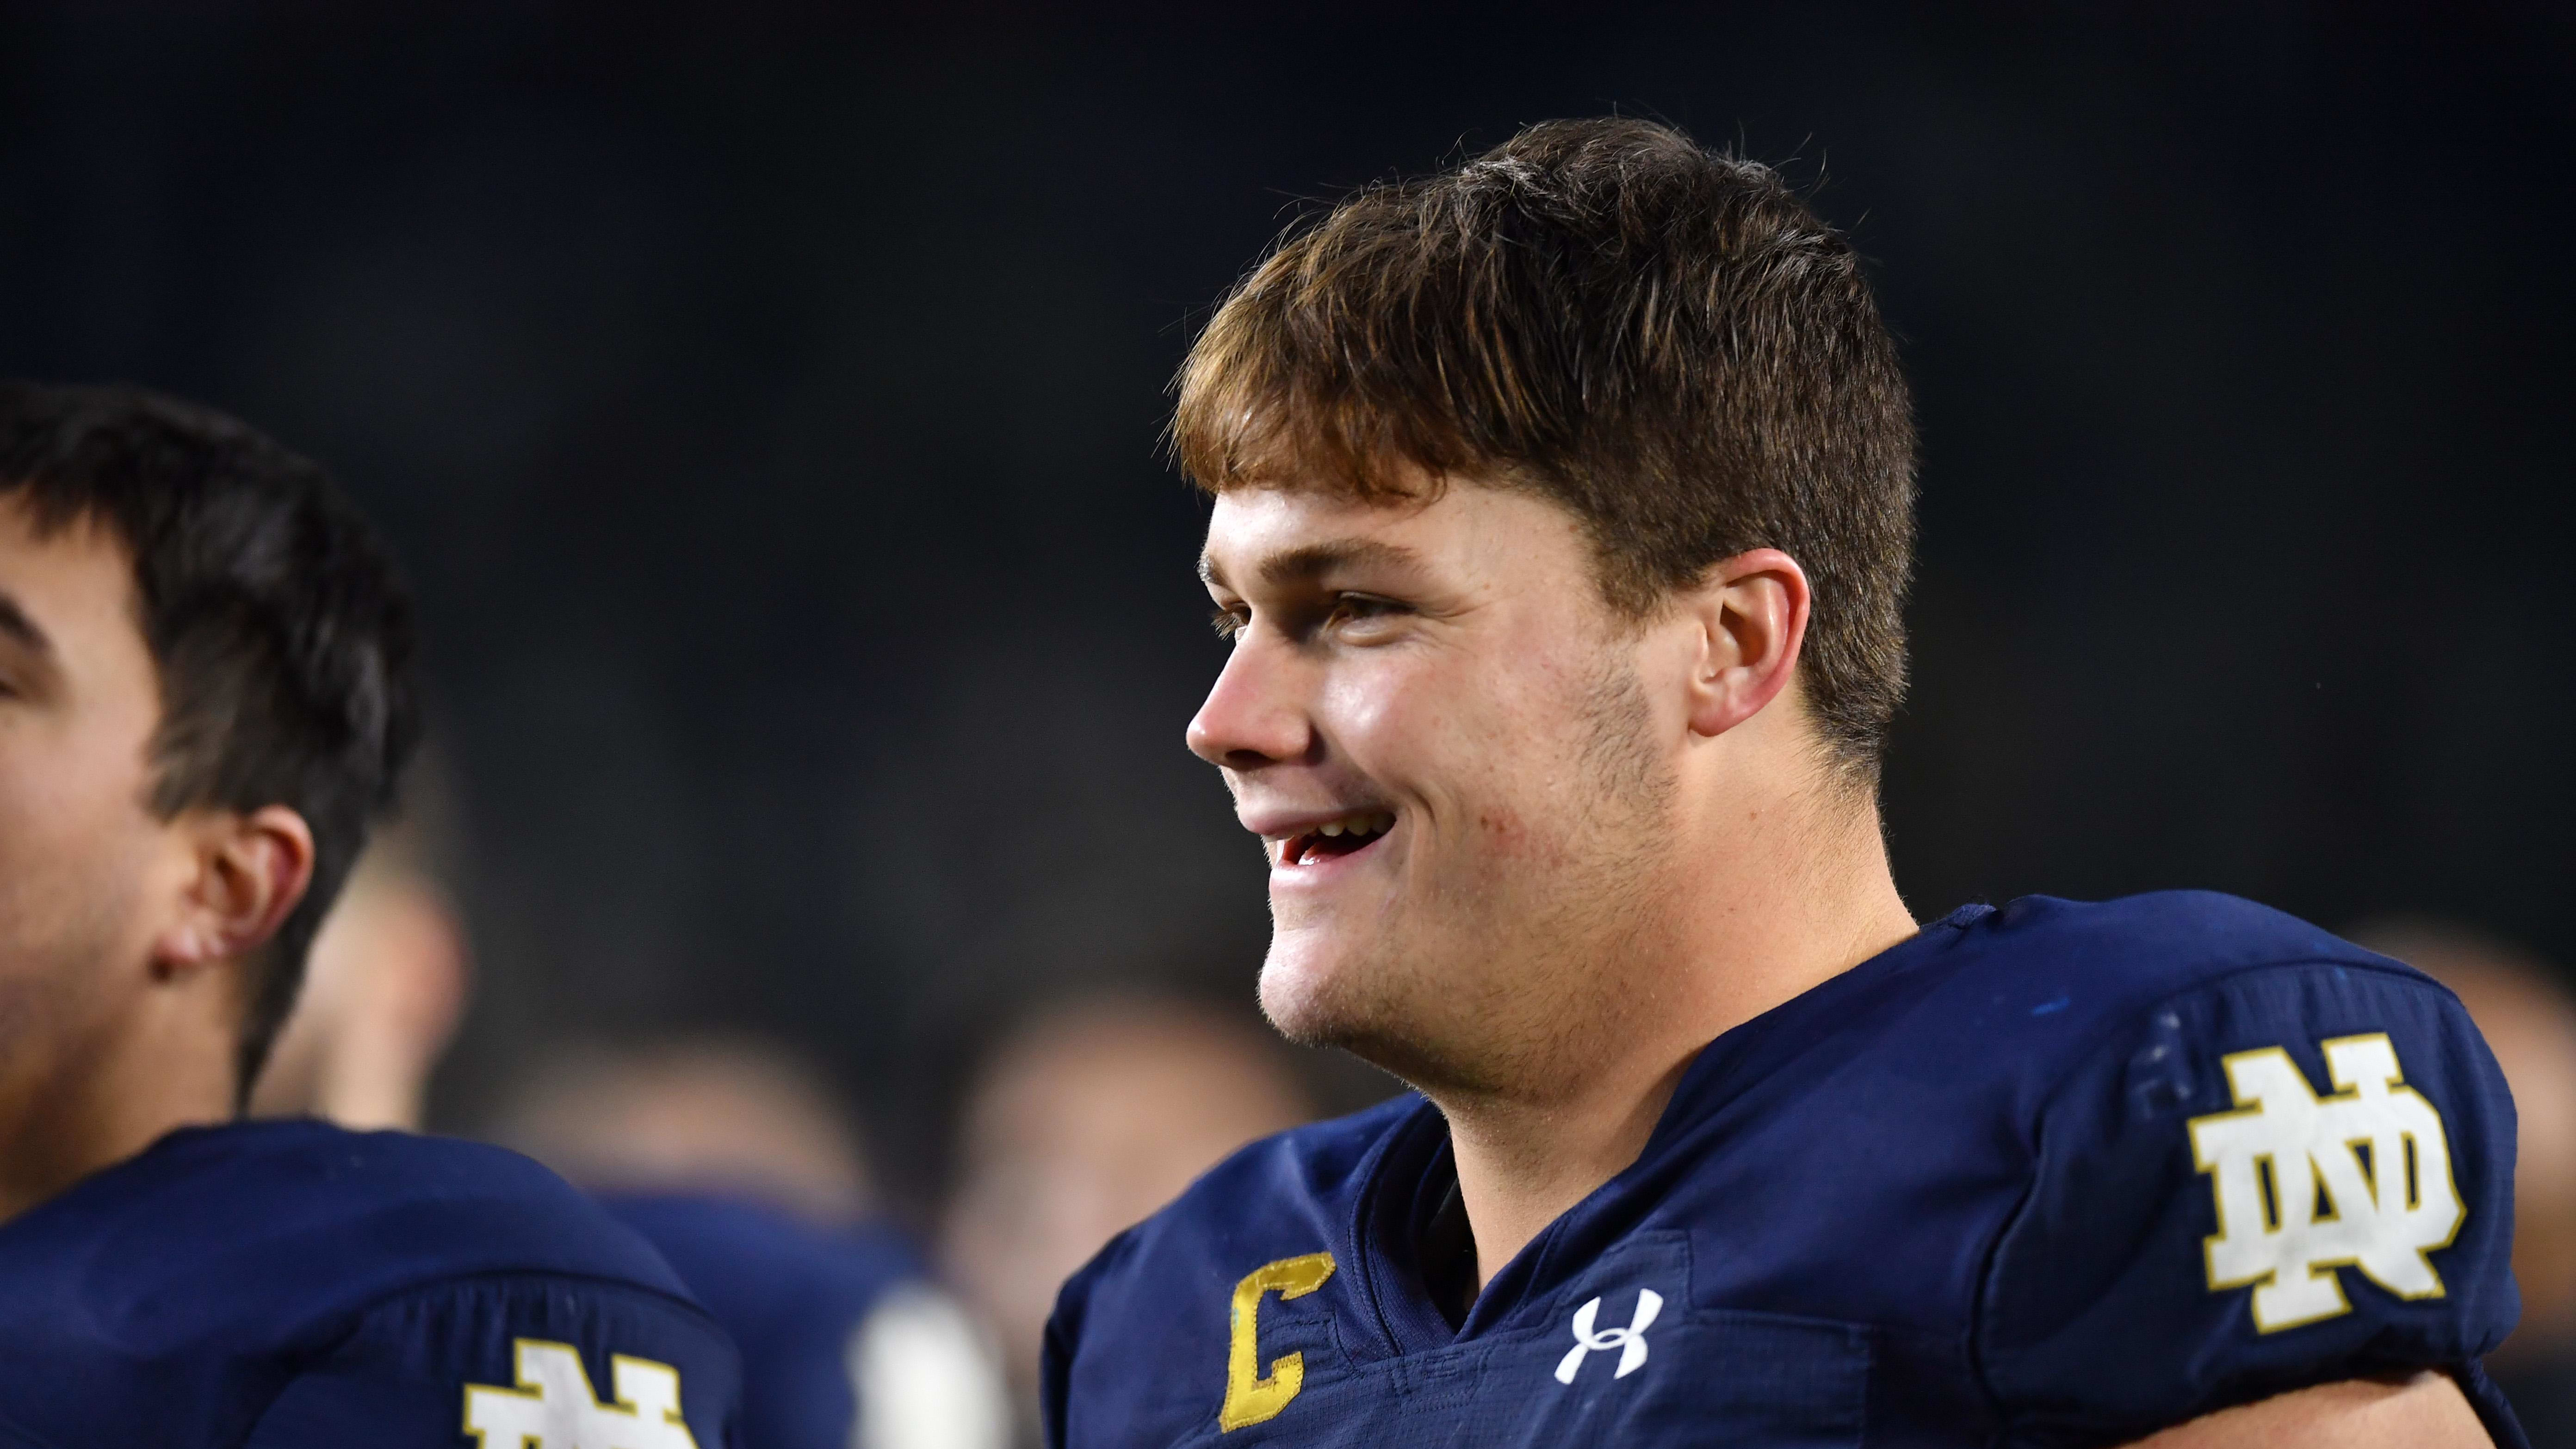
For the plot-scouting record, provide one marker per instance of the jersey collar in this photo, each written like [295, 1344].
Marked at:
[1403, 1205]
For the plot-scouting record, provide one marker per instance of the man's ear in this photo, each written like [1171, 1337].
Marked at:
[248, 873]
[1752, 615]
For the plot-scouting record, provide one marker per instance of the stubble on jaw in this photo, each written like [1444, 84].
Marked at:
[1505, 984]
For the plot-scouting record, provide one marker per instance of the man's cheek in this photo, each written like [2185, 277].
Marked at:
[1395, 716]
[1500, 831]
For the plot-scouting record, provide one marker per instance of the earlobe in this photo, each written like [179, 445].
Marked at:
[249, 872]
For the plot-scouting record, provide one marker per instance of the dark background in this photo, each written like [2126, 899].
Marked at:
[767, 405]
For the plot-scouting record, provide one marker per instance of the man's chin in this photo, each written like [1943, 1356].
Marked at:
[1351, 1006]
[1317, 998]
[1289, 997]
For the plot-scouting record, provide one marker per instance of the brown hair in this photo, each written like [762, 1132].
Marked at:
[1663, 339]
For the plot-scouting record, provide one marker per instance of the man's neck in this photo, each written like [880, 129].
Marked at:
[1526, 1157]
[77, 1107]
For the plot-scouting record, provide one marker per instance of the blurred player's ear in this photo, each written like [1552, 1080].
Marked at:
[243, 873]
[1751, 613]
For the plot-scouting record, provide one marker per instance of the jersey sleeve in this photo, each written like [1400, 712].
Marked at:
[2292, 1176]
[516, 1361]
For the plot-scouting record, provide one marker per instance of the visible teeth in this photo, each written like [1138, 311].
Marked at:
[1358, 827]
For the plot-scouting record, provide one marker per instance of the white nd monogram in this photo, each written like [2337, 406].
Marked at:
[2374, 1150]
[553, 1406]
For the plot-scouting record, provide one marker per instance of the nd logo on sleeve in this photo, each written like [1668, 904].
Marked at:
[2306, 1184]
[553, 1406]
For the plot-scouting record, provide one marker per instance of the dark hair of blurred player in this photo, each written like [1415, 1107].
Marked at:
[206, 692]
[1562, 513]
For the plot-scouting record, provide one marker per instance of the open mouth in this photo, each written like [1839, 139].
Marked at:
[1346, 836]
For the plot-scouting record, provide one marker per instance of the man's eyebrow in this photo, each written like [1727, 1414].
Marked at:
[15, 623]
[1311, 561]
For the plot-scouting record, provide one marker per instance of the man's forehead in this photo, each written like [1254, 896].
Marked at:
[1305, 562]
[1287, 536]
[1280, 535]
[71, 580]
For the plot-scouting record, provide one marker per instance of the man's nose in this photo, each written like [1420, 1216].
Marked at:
[1255, 715]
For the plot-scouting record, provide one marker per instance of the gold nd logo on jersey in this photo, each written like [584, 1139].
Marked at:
[2307, 1184]
[1250, 1395]
[554, 1408]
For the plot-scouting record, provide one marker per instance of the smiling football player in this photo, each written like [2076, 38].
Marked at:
[1562, 518]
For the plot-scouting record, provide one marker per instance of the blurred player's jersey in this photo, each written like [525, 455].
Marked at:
[2057, 1174]
[847, 1343]
[290, 1285]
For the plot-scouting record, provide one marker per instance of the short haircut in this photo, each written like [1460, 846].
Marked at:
[282, 634]
[1662, 339]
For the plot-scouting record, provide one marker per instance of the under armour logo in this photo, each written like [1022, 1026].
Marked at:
[1630, 1341]
[2306, 1183]
[553, 1406]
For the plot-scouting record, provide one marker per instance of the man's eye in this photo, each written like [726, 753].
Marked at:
[1229, 622]
[1360, 608]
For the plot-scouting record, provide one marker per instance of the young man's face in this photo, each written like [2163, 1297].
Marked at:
[1440, 731]
[79, 845]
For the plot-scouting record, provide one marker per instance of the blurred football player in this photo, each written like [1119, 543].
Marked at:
[1085, 1119]
[736, 1163]
[205, 694]
[1562, 513]
[2523, 1007]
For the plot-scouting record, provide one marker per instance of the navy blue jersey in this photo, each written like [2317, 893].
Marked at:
[2058, 1174]
[291, 1285]
[847, 1344]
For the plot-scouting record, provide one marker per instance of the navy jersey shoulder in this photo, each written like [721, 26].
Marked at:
[1924, 1203]
[846, 1339]
[290, 1283]
[2319, 1130]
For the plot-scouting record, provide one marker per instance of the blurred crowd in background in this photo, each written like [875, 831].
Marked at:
[767, 409]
